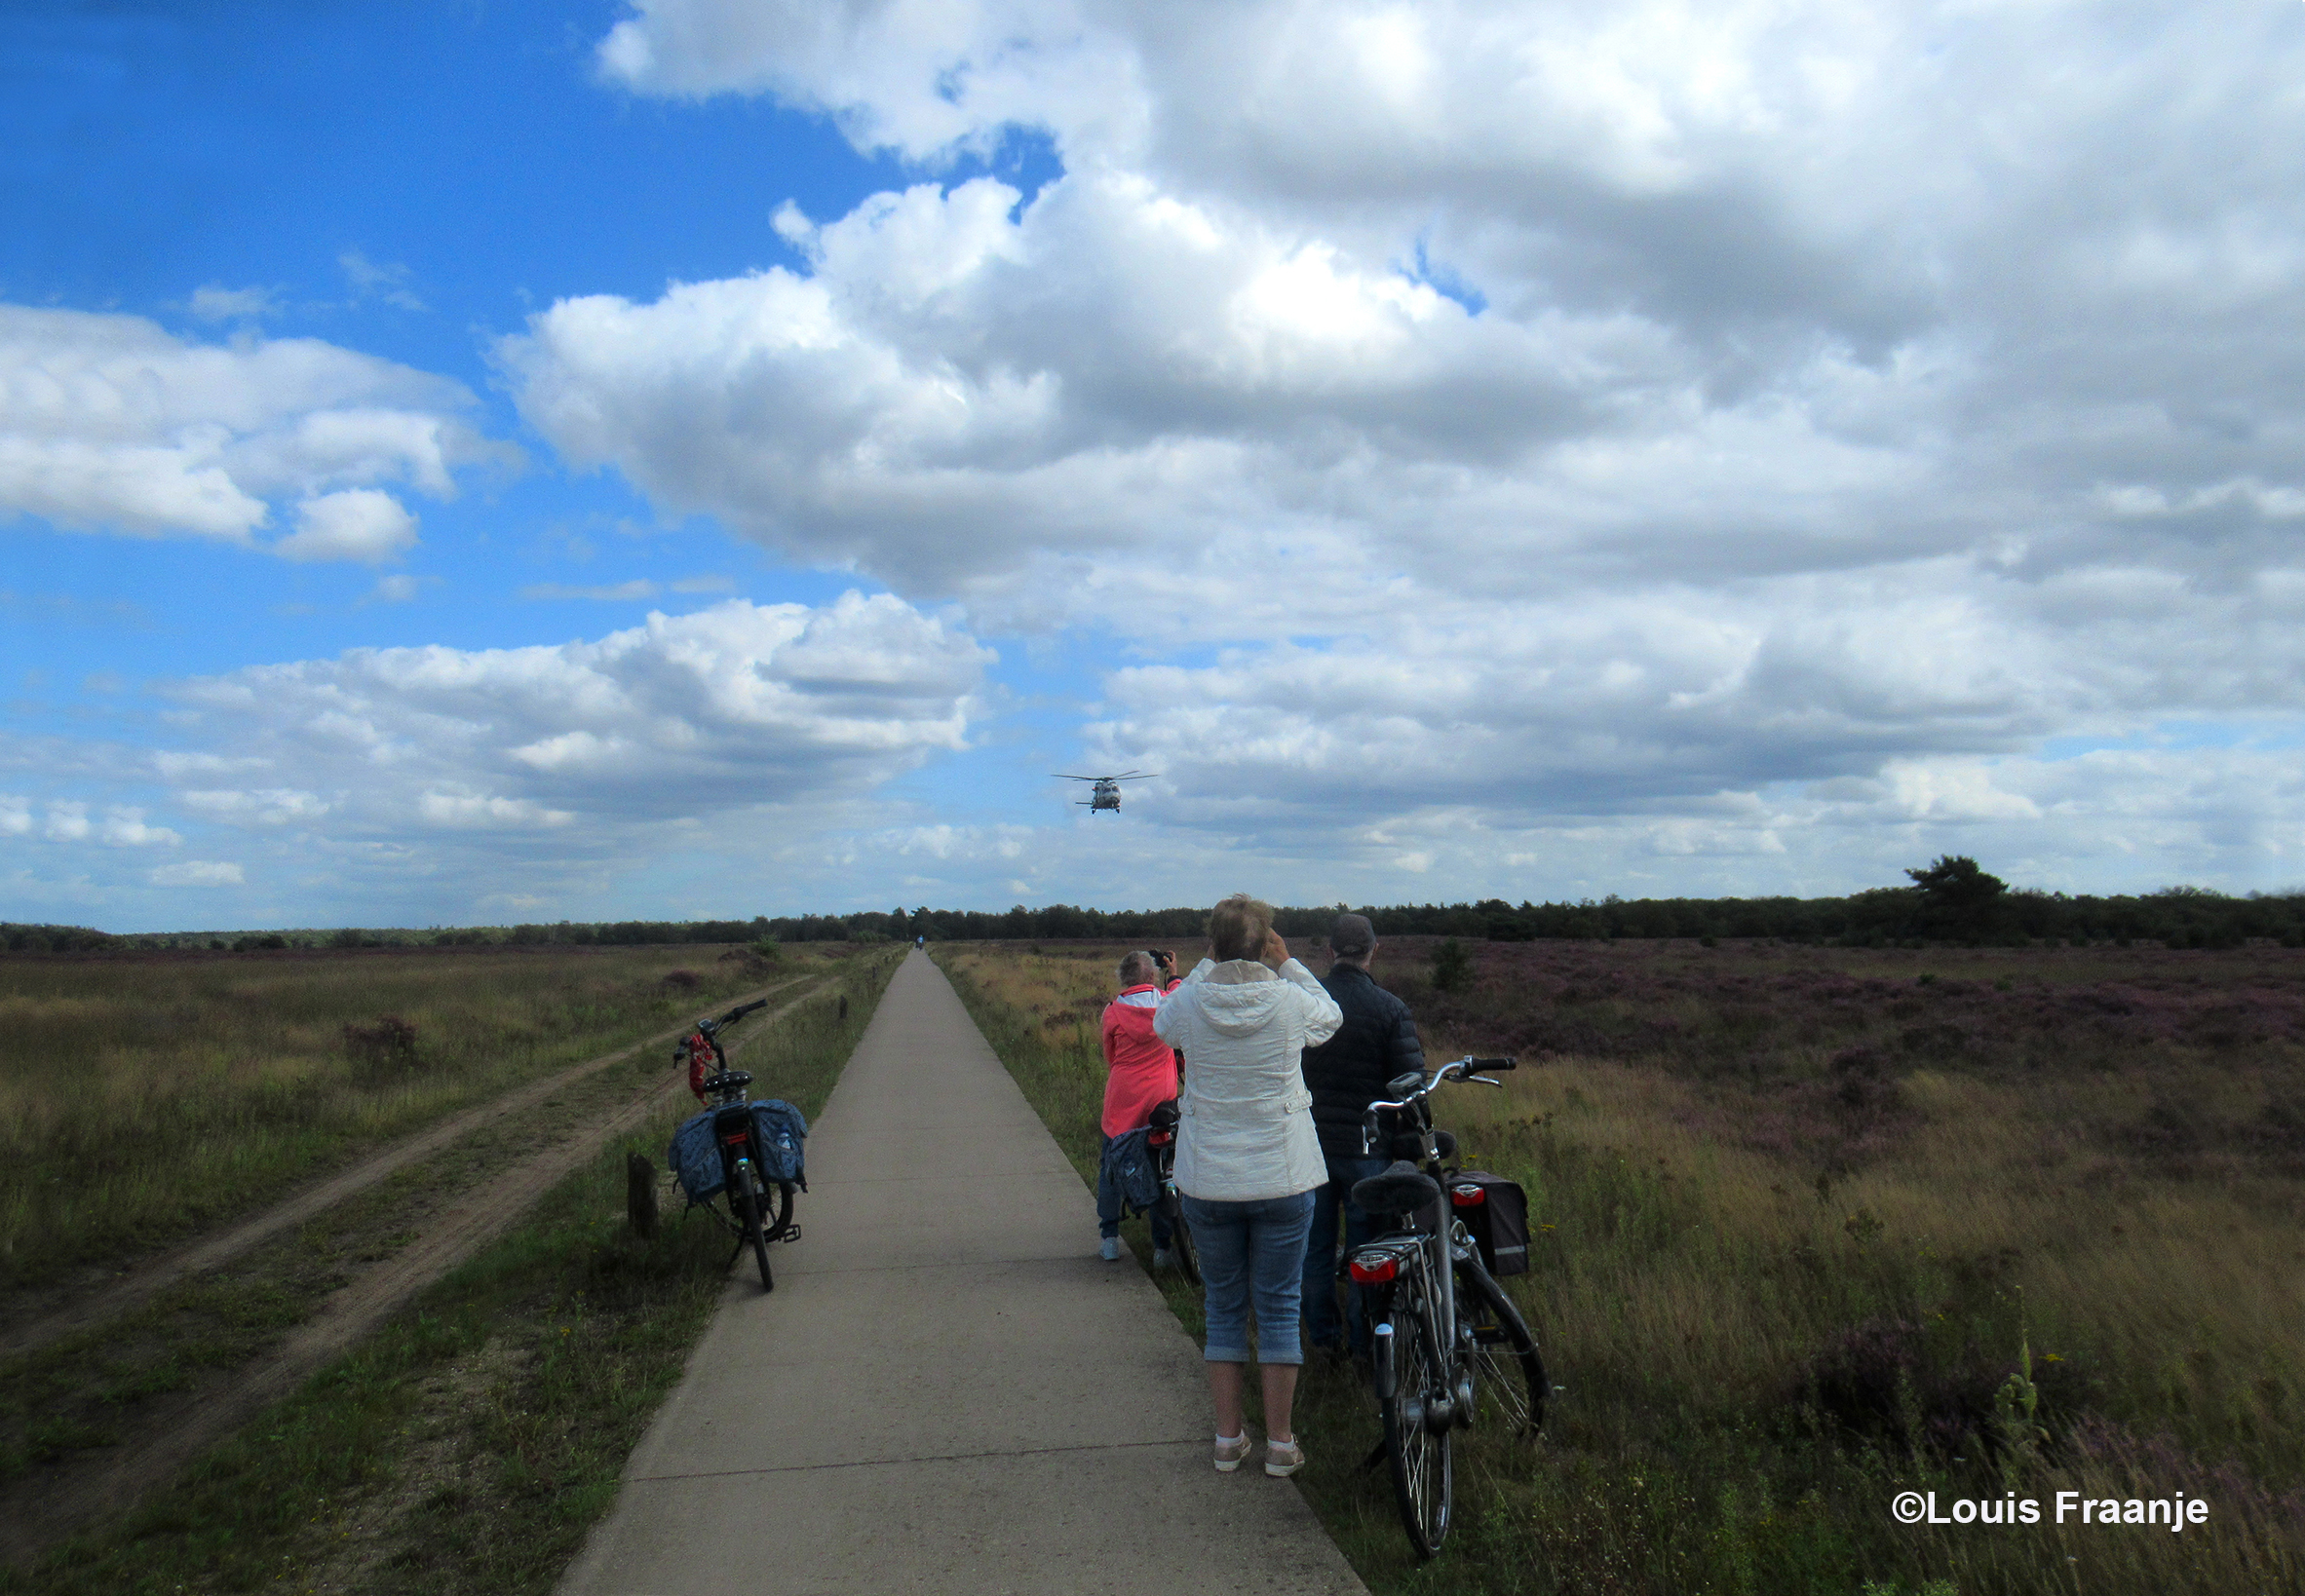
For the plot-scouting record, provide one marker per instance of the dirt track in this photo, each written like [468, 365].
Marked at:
[40, 1511]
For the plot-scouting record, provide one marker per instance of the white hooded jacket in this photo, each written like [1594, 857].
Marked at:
[1245, 1131]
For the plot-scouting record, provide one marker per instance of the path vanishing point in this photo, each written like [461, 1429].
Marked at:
[949, 1391]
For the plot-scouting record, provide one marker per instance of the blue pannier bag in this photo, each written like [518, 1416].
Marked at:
[780, 1130]
[777, 1126]
[1127, 1163]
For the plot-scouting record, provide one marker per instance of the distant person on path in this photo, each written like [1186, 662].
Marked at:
[1248, 1160]
[1376, 1042]
[1140, 1071]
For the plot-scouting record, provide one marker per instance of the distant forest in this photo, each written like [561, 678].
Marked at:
[1951, 900]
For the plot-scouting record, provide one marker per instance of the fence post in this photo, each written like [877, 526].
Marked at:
[640, 1193]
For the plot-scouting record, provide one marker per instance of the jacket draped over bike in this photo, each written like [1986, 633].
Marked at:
[1246, 1127]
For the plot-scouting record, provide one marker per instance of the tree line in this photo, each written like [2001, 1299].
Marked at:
[1950, 900]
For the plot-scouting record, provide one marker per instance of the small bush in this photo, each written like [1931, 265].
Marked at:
[1452, 966]
[389, 1043]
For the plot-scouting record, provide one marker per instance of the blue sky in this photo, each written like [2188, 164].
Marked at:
[463, 463]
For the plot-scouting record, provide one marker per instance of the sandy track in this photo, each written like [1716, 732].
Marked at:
[38, 1514]
[207, 1252]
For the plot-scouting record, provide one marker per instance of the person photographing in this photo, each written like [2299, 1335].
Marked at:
[1140, 1073]
[1248, 1160]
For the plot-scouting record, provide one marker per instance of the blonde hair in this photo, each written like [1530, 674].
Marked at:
[1238, 927]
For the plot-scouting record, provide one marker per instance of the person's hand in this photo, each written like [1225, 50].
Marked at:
[1275, 950]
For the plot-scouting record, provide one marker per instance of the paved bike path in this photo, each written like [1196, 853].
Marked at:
[949, 1391]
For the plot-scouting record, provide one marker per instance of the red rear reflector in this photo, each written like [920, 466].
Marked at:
[1377, 1273]
[1467, 1197]
[1161, 1140]
[737, 1140]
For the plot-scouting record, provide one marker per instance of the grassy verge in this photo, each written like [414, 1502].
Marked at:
[145, 1099]
[468, 1445]
[1759, 1354]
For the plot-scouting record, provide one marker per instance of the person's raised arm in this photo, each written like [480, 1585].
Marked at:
[1321, 1016]
[1166, 1021]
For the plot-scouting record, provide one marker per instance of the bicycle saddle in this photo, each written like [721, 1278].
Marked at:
[1164, 1115]
[1404, 1189]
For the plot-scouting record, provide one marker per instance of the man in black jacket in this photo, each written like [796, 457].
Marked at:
[1345, 1074]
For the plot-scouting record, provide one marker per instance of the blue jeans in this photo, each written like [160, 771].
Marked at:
[1108, 1208]
[1251, 1249]
[1320, 1290]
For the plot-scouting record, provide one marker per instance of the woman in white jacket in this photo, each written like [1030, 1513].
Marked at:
[1247, 1158]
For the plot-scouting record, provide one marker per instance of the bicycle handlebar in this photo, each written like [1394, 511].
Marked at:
[731, 1017]
[1462, 1069]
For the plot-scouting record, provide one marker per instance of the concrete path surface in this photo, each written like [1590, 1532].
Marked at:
[949, 1391]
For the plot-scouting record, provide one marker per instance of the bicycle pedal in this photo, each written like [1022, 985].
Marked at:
[1489, 1335]
[791, 1232]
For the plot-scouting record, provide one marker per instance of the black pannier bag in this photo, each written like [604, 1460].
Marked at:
[1495, 1211]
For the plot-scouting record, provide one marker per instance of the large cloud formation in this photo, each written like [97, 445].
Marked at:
[401, 783]
[1621, 410]
[736, 706]
[109, 423]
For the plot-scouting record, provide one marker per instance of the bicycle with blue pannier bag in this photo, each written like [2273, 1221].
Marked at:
[746, 1154]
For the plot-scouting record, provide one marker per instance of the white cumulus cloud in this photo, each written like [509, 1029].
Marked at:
[735, 707]
[109, 423]
[351, 523]
[198, 873]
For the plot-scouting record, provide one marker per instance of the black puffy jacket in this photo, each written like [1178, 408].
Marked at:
[1348, 1072]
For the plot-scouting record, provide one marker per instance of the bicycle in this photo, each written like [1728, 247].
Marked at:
[1449, 1348]
[759, 1206]
[1160, 1138]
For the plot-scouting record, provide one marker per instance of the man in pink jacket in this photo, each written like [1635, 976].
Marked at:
[1142, 1071]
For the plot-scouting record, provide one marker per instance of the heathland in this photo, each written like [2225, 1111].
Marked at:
[469, 1442]
[1817, 1226]
[147, 1096]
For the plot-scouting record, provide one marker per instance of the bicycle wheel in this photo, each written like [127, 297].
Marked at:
[776, 1207]
[1420, 1456]
[1509, 1387]
[749, 1198]
[1180, 1237]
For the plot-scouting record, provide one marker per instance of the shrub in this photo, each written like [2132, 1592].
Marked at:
[1452, 966]
[389, 1043]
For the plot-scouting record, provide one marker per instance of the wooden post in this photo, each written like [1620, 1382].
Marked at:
[640, 1193]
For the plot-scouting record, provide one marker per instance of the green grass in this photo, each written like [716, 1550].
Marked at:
[144, 1098]
[1714, 1310]
[470, 1445]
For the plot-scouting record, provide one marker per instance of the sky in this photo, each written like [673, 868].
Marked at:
[465, 463]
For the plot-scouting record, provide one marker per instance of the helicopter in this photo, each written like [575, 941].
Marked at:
[1105, 791]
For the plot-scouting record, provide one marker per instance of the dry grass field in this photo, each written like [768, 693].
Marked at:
[1821, 1225]
[467, 1446]
[145, 1097]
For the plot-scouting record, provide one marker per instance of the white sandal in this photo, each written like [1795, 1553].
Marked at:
[1282, 1459]
[1232, 1451]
